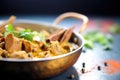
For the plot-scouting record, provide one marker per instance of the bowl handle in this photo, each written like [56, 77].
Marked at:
[72, 15]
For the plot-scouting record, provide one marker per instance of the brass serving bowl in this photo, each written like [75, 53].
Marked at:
[43, 67]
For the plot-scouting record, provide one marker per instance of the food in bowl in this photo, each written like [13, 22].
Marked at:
[18, 42]
[47, 66]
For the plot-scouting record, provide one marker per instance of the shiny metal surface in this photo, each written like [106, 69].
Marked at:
[44, 67]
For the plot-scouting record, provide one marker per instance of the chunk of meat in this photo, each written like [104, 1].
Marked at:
[29, 46]
[2, 28]
[12, 43]
[56, 49]
[19, 55]
[40, 44]
[2, 39]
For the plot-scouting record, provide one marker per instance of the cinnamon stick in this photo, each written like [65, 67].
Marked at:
[67, 35]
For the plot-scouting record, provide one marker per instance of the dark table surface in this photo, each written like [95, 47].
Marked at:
[92, 58]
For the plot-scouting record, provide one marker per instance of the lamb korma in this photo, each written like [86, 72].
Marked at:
[20, 43]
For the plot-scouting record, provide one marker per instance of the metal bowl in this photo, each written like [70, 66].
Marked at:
[43, 67]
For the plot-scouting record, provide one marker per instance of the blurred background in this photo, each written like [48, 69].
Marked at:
[103, 15]
[88, 7]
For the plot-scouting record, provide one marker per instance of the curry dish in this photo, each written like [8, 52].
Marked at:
[21, 43]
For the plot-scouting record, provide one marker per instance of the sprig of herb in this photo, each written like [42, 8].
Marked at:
[8, 29]
[26, 34]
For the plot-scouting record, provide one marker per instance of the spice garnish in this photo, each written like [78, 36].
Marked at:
[105, 64]
[83, 70]
[83, 65]
[99, 68]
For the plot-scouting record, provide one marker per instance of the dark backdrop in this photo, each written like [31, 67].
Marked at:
[91, 7]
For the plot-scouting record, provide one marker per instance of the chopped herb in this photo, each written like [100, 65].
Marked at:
[88, 44]
[97, 37]
[8, 29]
[26, 34]
[16, 33]
[109, 38]
[107, 47]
